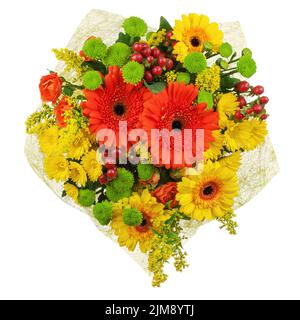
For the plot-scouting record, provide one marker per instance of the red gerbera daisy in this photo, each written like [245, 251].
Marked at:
[175, 108]
[114, 102]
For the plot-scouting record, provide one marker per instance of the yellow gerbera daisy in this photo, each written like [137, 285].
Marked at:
[57, 167]
[48, 140]
[215, 147]
[227, 106]
[92, 166]
[77, 174]
[210, 194]
[192, 32]
[71, 191]
[153, 216]
[246, 135]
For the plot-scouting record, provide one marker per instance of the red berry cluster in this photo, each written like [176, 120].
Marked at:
[255, 108]
[154, 60]
[110, 169]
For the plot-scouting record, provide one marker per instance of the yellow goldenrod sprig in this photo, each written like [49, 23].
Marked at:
[167, 245]
[73, 61]
[228, 223]
[40, 120]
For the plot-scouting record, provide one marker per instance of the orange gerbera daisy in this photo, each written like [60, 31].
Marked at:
[114, 102]
[175, 108]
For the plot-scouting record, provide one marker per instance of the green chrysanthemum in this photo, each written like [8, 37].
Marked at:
[247, 52]
[183, 77]
[195, 62]
[226, 50]
[117, 55]
[246, 66]
[132, 217]
[124, 181]
[87, 198]
[92, 80]
[95, 48]
[133, 72]
[135, 27]
[103, 212]
[114, 195]
[145, 171]
[206, 97]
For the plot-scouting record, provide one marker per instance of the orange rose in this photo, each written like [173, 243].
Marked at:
[166, 193]
[50, 87]
[60, 110]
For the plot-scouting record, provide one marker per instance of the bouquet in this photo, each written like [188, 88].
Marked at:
[152, 134]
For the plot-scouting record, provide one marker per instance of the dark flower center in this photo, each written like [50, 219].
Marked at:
[145, 225]
[195, 42]
[208, 190]
[176, 124]
[119, 109]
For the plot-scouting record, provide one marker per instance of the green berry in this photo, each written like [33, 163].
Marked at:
[132, 217]
[103, 212]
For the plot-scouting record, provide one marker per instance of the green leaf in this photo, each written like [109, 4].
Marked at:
[228, 82]
[124, 38]
[156, 87]
[172, 238]
[68, 91]
[155, 232]
[164, 24]
[96, 65]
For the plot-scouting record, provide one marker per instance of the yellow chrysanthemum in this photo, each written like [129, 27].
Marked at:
[79, 145]
[91, 165]
[192, 32]
[210, 194]
[77, 174]
[71, 191]
[209, 80]
[227, 106]
[246, 135]
[231, 162]
[57, 167]
[48, 140]
[153, 217]
[215, 148]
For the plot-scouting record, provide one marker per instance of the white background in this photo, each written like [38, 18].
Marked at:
[51, 251]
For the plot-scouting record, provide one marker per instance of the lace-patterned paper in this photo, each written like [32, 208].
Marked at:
[258, 167]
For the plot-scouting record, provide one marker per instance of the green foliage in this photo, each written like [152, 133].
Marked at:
[164, 24]
[206, 97]
[246, 66]
[226, 50]
[156, 87]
